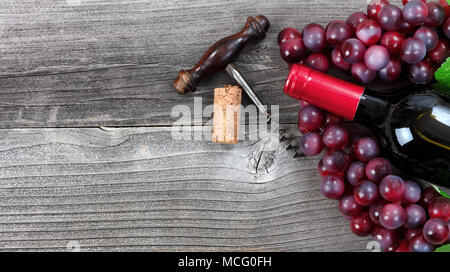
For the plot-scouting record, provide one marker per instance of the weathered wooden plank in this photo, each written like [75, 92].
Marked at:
[137, 189]
[78, 63]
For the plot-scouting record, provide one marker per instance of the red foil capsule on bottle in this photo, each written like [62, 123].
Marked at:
[324, 91]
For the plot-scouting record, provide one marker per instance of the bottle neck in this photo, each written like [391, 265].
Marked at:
[340, 97]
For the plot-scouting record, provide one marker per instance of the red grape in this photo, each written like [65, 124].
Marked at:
[421, 73]
[314, 37]
[292, 50]
[362, 73]
[369, 32]
[322, 171]
[288, 33]
[310, 118]
[374, 210]
[352, 50]
[436, 14]
[332, 186]
[361, 224]
[435, 231]
[335, 160]
[428, 195]
[356, 173]
[348, 206]
[311, 144]
[365, 193]
[416, 216]
[419, 244]
[392, 71]
[413, 50]
[439, 208]
[318, 62]
[392, 188]
[335, 136]
[332, 119]
[412, 192]
[337, 32]
[411, 233]
[446, 28]
[366, 148]
[415, 12]
[338, 60]
[393, 41]
[403, 247]
[387, 239]
[390, 17]
[428, 35]
[355, 19]
[405, 27]
[392, 216]
[377, 169]
[441, 52]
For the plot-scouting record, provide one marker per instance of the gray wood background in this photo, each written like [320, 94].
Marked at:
[86, 154]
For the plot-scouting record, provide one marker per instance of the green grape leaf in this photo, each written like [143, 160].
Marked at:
[445, 248]
[440, 191]
[442, 76]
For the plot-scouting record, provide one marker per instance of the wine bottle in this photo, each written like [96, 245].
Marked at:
[413, 128]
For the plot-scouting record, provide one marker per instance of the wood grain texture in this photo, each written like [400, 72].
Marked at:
[90, 63]
[136, 189]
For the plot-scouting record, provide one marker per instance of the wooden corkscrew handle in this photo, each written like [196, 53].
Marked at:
[221, 54]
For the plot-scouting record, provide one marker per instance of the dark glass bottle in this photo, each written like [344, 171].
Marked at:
[413, 126]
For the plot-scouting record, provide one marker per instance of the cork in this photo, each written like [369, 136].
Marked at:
[227, 111]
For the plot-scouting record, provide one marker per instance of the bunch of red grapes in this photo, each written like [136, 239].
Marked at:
[385, 41]
[396, 212]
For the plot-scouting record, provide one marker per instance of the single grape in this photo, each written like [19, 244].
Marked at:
[428, 195]
[392, 188]
[333, 119]
[369, 32]
[377, 169]
[292, 50]
[441, 52]
[361, 224]
[428, 35]
[387, 239]
[436, 14]
[392, 71]
[337, 32]
[419, 244]
[374, 210]
[362, 73]
[446, 28]
[338, 60]
[415, 12]
[356, 173]
[435, 231]
[314, 38]
[335, 136]
[348, 206]
[365, 193]
[413, 50]
[335, 160]
[287, 34]
[318, 62]
[413, 192]
[310, 118]
[392, 216]
[355, 19]
[439, 208]
[376, 57]
[421, 73]
[390, 17]
[366, 148]
[411, 233]
[393, 41]
[352, 50]
[332, 186]
[416, 216]
[311, 144]
[374, 7]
